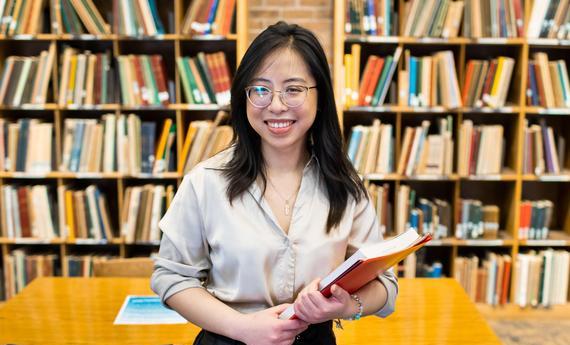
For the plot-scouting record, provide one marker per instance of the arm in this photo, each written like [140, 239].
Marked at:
[201, 308]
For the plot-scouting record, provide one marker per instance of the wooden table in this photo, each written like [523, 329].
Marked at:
[82, 311]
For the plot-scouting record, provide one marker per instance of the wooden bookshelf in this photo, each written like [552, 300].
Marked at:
[506, 189]
[170, 45]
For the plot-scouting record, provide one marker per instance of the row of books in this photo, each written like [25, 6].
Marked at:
[487, 82]
[544, 152]
[429, 81]
[541, 278]
[130, 17]
[547, 83]
[143, 80]
[549, 19]
[376, 78]
[77, 17]
[86, 78]
[428, 216]
[21, 268]
[535, 219]
[493, 18]
[481, 149]
[477, 220]
[369, 17]
[21, 17]
[205, 78]
[371, 148]
[477, 19]
[143, 207]
[432, 81]
[82, 265]
[36, 212]
[485, 281]
[26, 145]
[203, 140]
[137, 18]
[427, 154]
[215, 17]
[28, 212]
[84, 214]
[432, 18]
[25, 80]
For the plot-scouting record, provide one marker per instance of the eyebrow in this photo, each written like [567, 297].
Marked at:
[297, 79]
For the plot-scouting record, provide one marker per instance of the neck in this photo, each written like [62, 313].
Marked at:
[284, 161]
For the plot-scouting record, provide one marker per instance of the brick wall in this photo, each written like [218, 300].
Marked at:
[315, 15]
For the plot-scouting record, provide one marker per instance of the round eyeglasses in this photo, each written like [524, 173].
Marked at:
[262, 96]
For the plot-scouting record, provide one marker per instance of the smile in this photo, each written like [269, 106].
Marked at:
[279, 124]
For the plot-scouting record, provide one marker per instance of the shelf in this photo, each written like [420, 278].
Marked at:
[28, 175]
[507, 110]
[556, 238]
[5, 240]
[47, 106]
[547, 111]
[547, 178]
[485, 243]
[116, 37]
[491, 177]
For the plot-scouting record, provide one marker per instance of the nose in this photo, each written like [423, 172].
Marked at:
[277, 105]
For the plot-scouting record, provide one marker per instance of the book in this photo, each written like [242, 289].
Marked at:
[367, 263]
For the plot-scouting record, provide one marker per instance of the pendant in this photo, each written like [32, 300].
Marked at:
[287, 208]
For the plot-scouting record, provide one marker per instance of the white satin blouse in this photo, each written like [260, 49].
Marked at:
[240, 254]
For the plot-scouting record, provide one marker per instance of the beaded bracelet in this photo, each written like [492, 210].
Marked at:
[358, 314]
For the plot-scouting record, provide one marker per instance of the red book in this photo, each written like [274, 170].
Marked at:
[506, 279]
[366, 78]
[158, 69]
[468, 81]
[367, 263]
[373, 81]
[489, 81]
[539, 86]
[24, 212]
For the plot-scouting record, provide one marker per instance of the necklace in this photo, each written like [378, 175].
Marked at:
[287, 207]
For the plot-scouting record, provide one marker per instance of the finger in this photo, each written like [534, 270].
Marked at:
[278, 309]
[292, 325]
[339, 293]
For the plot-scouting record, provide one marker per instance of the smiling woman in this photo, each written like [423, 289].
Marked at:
[251, 229]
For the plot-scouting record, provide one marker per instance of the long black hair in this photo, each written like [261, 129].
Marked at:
[340, 178]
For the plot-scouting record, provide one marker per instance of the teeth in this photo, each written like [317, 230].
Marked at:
[279, 124]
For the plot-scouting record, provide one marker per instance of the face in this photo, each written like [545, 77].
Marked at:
[282, 127]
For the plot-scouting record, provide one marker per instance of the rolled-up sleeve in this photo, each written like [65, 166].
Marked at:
[366, 229]
[183, 259]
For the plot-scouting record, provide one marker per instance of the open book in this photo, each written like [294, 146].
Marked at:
[367, 263]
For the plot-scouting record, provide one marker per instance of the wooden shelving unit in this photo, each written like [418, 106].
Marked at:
[507, 189]
[170, 46]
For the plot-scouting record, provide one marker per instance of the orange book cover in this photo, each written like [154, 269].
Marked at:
[376, 71]
[366, 77]
[506, 279]
[468, 81]
[367, 263]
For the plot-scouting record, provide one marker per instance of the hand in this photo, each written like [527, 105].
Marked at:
[265, 327]
[312, 307]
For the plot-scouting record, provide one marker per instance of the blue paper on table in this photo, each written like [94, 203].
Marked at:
[146, 310]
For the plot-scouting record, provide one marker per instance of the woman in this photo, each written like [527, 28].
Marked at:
[253, 228]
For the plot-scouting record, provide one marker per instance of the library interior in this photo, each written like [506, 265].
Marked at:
[454, 114]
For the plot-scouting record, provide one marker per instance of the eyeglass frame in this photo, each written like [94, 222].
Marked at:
[280, 92]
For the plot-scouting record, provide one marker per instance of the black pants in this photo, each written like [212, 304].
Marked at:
[318, 334]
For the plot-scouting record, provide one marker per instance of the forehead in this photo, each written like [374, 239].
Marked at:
[283, 64]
